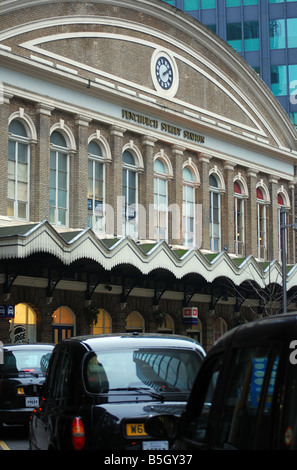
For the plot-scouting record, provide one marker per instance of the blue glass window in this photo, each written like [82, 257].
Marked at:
[251, 36]
[279, 80]
[292, 72]
[292, 32]
[191, 5]
[276, 1]
[277, 34]
[234, 36]
[237, 3]
[207, 4]
[233, 3]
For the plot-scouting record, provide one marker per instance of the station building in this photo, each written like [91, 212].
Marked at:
[144, 167]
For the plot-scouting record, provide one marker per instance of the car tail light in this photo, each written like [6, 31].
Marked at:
[78, 434]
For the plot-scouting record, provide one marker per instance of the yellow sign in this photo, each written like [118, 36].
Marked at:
[135, 430]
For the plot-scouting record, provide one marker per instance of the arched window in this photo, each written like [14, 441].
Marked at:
[129, 193]
[103, 325]
[23, 325]
[59, 180]
[134, 322]
[96, 188]
[189, 235]
[167, 326]
[238, 219]
[18, 171]
[214, 213]
[261, 224]
[160, 200]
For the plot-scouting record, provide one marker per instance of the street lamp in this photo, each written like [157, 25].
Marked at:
[283, 228]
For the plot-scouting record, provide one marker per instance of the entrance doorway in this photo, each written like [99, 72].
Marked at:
[63, 324]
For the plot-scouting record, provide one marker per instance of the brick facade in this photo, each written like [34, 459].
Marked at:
[111, 58]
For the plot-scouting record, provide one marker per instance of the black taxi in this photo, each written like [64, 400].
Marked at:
[245, 395]
[100, 390]
[23, 369]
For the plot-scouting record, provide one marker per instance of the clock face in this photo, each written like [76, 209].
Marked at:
[164, 73]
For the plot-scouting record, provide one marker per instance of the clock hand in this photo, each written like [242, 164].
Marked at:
[166, 72]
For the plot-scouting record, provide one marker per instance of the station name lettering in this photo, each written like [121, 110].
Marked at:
[168, 128]
[140, 119]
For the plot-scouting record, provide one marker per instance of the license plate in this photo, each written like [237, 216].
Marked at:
[155, 445]
[135, 430]
[32, 402]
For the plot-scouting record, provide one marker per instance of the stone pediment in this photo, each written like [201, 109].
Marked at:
[120, 48]
[124, 59]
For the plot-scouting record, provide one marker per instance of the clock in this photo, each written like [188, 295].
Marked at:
[164, 73]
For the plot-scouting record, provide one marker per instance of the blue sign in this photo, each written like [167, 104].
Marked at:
[258, 374]
[6, 311]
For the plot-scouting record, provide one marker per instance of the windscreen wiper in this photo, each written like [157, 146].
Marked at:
[141, 390]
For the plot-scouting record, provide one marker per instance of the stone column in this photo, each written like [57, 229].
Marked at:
[175, 219]
[4, 116]
[146, 192]
[114, 185]
[203, 198]
[34, 198]
[42, 159]
[251, 216]
[78, 209]
[227, 210]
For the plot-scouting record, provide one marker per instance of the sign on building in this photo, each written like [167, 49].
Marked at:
[190, 315]
[6, 311]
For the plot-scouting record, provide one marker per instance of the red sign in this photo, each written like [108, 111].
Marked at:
[190, 315]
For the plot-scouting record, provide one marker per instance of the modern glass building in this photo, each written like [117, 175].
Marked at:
[263, 32]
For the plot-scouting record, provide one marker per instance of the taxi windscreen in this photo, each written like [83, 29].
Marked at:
[162, 370]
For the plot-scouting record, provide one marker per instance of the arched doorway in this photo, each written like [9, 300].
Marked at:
[103, 325]
[23, 325]
[63, 324]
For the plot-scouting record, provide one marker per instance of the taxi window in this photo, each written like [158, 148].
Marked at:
[201, 422]
[247, 402]
[166, 370]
